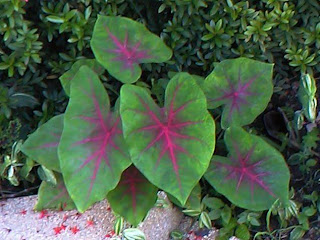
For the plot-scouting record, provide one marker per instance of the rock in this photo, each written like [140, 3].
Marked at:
[19, 221]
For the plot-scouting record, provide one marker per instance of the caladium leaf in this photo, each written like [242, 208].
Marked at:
[67, 77]
[133, 197]
[121, 44]
[254, 174]
[171, 146]
[92, 150]
[193, 201]
[54, 196]
[243, 86]
[42, 145]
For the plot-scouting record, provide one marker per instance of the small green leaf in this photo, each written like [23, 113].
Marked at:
[118, 225]
[133, 234]
[309, 211]
[176, 235]
[242, 232]
[226, 214]
[55, 19]
[47, 175]
[297, 233]
[212, 202]
[205, 220]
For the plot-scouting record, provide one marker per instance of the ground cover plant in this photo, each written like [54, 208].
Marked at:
[277, 32]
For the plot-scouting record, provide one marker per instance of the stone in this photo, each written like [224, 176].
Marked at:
[19, 221]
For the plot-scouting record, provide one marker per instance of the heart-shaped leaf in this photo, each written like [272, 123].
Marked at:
[243, 86]
[253, 176]
[133, 197]
[67, 77]
[42, 145]
[121, 44]
[54, 197]
[92, 150]
[171, 146]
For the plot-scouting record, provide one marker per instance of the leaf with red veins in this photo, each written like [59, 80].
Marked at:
[92, 151]
[166, 143]
[254, 174]
[42, 145]
[121, 44]
[236, 94]
[243, 86]
[127, 53]
[244, 171]
[133, 197]
[54, 197]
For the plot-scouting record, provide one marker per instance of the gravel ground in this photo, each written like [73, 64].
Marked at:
[18, 221]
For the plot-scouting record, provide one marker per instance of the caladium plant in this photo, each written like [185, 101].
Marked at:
[91, 144]
[254, 174]
[67, 77]
[42, 145]
[171, 146]
[128, 154]
[243, 86]
[54, 196]
[136, 194]
[121, 44]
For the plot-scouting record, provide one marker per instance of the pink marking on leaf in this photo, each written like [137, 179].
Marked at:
[126, 53]
[106, 128]
[131, 180]
[244, 170]
[236, 95]
[167, 132]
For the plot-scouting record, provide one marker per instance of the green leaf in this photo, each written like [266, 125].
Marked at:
[205, 220]
[118, 225]
[297, 233]
[42, 145]
[171, 146]
[133, 234]
[242, 232]
[121, 44]
[67, 77]
[47, 175]
[55, 19]
[23, 100]
[253, 175]
[133, 197]
[193, 202]
[54, 196]
[212, 202]
[226, 214]
[243, 86]
[92, 151]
